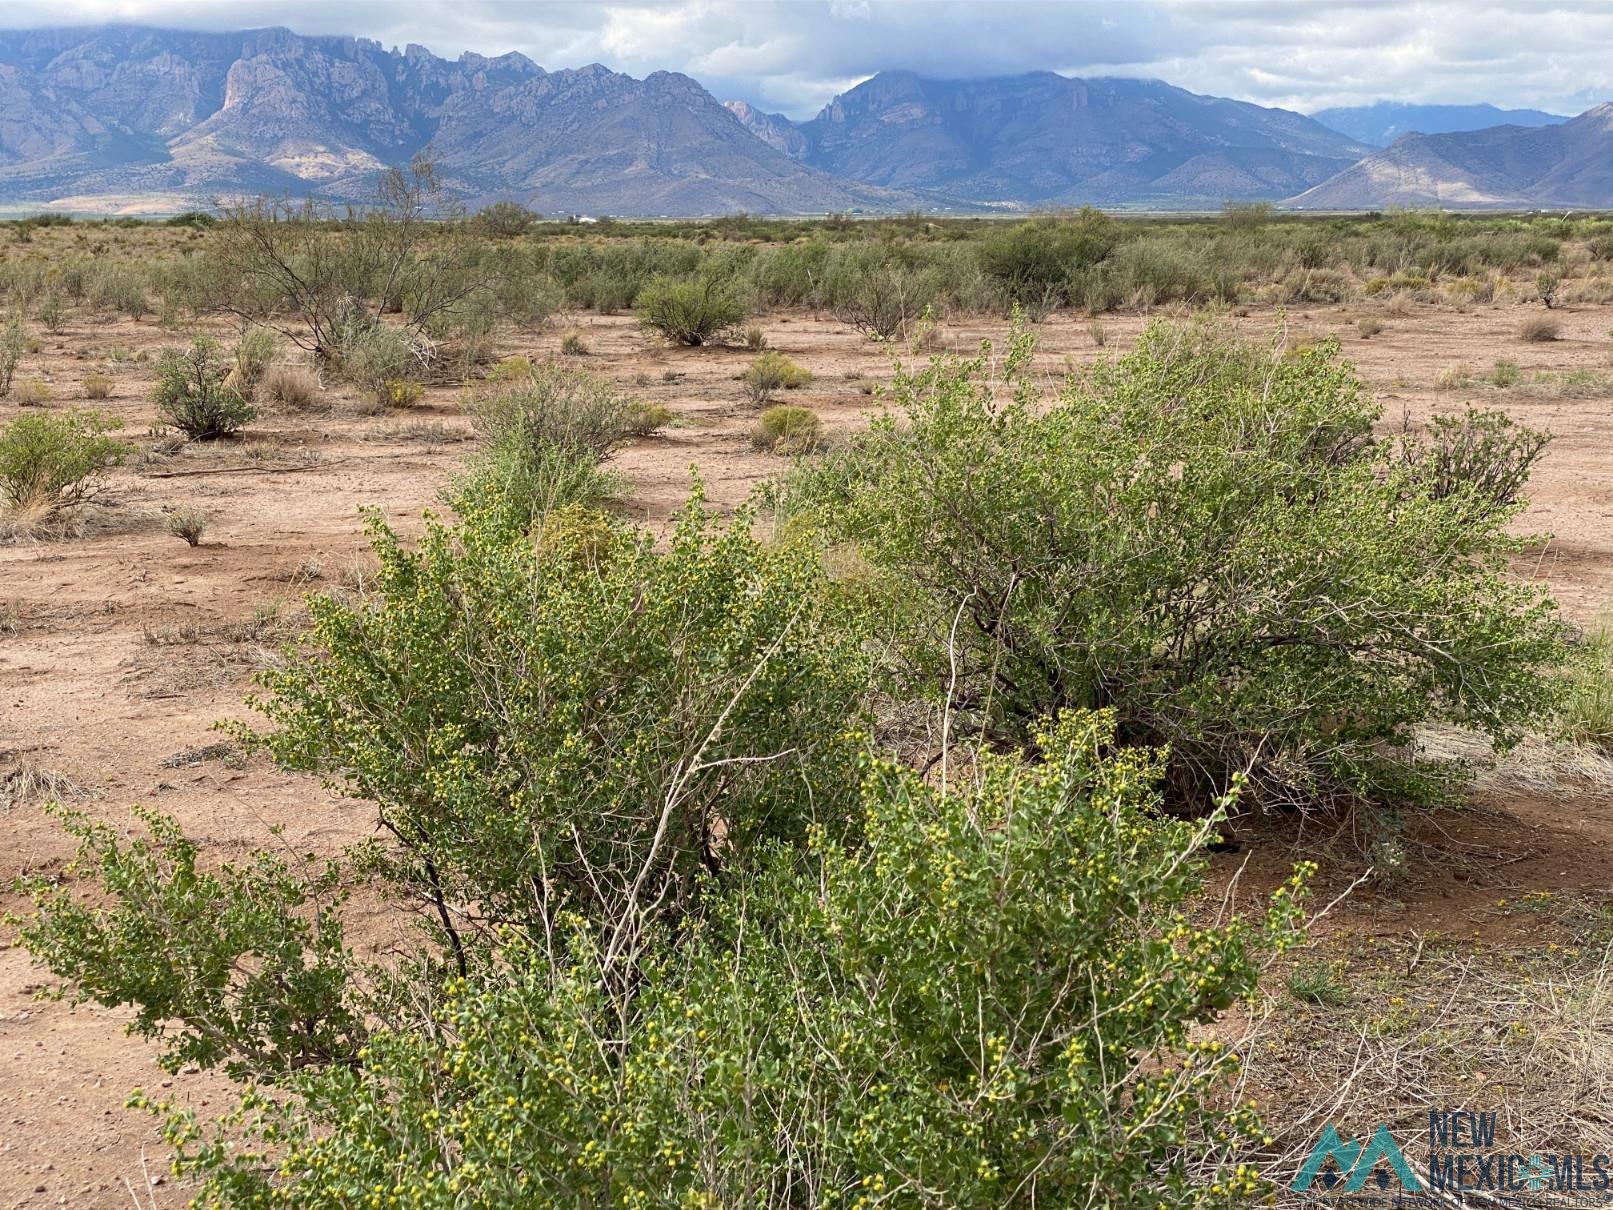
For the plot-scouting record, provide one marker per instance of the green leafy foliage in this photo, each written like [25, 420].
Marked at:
[1038, 264]
[243, 967]
[988, 999]
[1205, 536]
[579, 723]
[52, 462]
[694, 311]
[193, 394]
[13, 344]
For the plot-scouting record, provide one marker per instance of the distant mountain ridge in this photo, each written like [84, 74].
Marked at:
[125, 112]
[130, 118]
[1045, 139]
[1382, 123]
[1569, 164]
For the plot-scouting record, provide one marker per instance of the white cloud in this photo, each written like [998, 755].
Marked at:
[794, 54]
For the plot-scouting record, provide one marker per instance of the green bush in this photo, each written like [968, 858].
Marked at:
[52, 462]
[773, 371]
[512, 485]
[193, 395]
[1233, 563]
[989, 992]
[785, 429]
[13, 344]
[505, 220]
[248, 961]
[1483, 455]
[575, 724]
[1033, 263]
[690, 312]
[374, 355]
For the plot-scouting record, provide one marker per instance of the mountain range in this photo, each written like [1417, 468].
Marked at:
[1381, 124]
[1568, 164]
[139, 119]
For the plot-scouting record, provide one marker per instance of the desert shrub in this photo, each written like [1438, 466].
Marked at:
[755, 339]
[338, 274]
[691, 311]
[1233, 563]
[877, 300]
[13, 344]
[1600, 247]
[33, 393]
[1484, 456]
[53, 462]
[291, 387]
[1033, 263]
[1505, 373]
[573, 345]
[1587, 710]
[52, 313]
[547, 428]
[771, 372]
[97, 386]
[1538, 329]
[646, 419]
[257, 351]
[193, 396]
[786, 429]
[513, 485]
[505, 220]
[994, 998]
[373, 355]
[528, 780]
[242, 967]
[187, 522]
[582, 414]
[1369, 327]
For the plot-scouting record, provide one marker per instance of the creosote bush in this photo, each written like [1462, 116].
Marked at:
[193, 393]
[54, 462]
[690, 312]
[1234, 564]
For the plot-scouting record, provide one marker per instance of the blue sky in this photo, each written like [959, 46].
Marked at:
[793, 55]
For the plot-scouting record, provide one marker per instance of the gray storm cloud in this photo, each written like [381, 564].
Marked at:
[792, 55]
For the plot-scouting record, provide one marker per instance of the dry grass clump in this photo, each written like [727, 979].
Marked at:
[1395, 1028]
[32, 393]
[1587, 712]
[1539, 329]
[188, 522]
[293, 388]
[573, 345]
[1369, 327]
[30, 784]
[97, 386]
